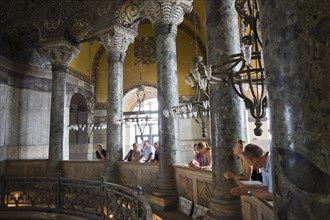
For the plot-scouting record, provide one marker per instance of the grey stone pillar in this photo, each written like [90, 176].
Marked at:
[116, 41]
[165, 17]
[297, 61]
[59, 54]
[228, 118]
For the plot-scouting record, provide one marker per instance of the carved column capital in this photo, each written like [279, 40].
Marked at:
[59, 52]
[116, 39]
[167, 11]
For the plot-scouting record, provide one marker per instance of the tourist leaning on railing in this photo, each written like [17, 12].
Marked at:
[133, 154]
[245, 171]
[101, 154]
[256, 157]
[204, 161]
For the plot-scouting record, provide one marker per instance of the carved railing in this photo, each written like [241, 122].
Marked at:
[88, 199]
[134, 174]
[194, 186]
[254, 208]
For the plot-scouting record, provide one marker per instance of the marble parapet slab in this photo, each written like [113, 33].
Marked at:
[254, 208]
[134, 174]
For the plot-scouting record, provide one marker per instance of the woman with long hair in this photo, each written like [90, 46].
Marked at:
[246, 168]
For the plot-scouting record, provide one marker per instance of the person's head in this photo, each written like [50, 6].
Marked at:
[156, 145]
[145, 143]
[202, 147]
[135, 146]
[238, 148]
[254, 155]
[100, 147]
[195, 148]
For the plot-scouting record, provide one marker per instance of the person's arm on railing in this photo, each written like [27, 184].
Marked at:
[260, 192]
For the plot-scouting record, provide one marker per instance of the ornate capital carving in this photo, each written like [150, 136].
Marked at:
[167, 11]
[117, 38]
[59, 52]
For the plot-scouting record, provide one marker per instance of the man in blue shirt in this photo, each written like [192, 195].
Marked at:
[148, 152]
[255, 156]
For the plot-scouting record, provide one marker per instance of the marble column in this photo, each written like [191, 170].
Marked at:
[165, 17]
[59, 54]
[228, 118]
[296, 38]
[116, 40]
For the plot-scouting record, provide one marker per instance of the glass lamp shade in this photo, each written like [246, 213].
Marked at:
[140, 94]
[166, 113]
[196, 74]
[202, 83]
[247, 53]
[189, 80]
[208, 71]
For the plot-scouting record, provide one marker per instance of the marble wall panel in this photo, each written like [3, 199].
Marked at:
[27, 152]
[11, 117]
[82, 151]
[3, 152]
[34, 117]
[27, 123]
[3, 110]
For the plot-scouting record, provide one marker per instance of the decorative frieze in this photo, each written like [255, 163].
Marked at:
[167, 11]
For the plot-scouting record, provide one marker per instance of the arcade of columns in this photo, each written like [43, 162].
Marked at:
[297, 54]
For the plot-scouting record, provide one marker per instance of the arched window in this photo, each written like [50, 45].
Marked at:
[133, 131]
[147, 130]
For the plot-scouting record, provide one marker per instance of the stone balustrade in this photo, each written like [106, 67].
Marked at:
[193, 185]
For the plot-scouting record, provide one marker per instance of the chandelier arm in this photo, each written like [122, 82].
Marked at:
[207, 95]
[264, 106]
[228, 71]
[242, 71]
[235, 62]
[256, 18]
[215, 80]
[239, 93]
[240, 9]
[250, 84]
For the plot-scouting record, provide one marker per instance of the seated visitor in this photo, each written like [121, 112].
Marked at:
[156, 158]
[134, 154]
[205, 161]
[255, 156]
[148, 152]
[245, 171]
[101, 154]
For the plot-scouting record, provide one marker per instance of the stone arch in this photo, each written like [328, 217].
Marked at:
[129, 99]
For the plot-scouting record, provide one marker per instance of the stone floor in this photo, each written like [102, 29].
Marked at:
[170, 215]
[173, 215]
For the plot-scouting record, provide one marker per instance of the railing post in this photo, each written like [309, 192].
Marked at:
[140, 193]
[58, 192]
[103, 196]
[2, 190]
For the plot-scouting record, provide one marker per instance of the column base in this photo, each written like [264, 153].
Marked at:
[163, 201]
[224, 210]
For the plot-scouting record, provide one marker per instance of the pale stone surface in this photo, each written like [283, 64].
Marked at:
[185, 206]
